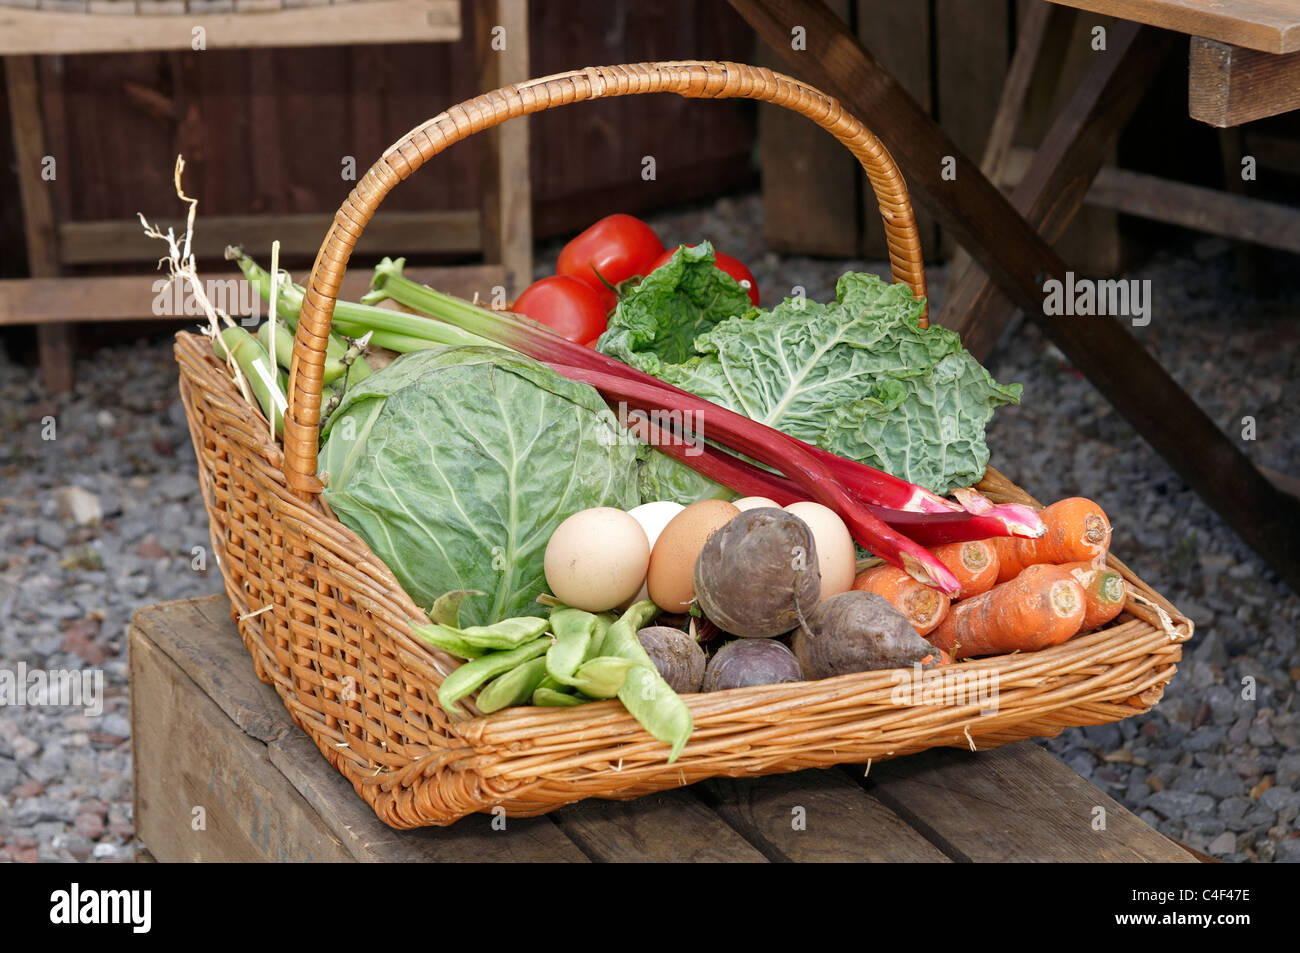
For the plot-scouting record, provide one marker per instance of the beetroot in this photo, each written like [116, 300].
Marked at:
[747, 662]
[757, 576]
[858, 632]
[676, 655]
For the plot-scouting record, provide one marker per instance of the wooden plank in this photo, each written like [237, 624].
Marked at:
[34, 190]
[1014, 803]
[1020, 262]
[971, 56]
[470, 840]
[1091, 241]
[132, 297]
[667, 827]
[188, 665]
[1283, 481]
[897, 33]
[199, 636]
[53, 341]
[376, 21]
[505, 188]
[1271, 26]
[1033, 30]
[1229, 85]
[1190, 206]
[193, 768]
[1063, 168]
[810, 181]
[817, 817]
[389, 232]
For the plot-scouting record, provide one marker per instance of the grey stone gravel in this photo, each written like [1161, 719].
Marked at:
[73, 510]
[1288, 770]
[1180, 804]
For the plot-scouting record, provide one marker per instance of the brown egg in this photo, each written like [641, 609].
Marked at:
[670, 577]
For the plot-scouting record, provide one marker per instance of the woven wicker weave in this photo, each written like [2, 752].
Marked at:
[336, 641]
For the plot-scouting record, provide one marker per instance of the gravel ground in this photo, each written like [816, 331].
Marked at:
[106, 517]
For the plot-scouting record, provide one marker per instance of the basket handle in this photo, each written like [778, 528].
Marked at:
[705, 80]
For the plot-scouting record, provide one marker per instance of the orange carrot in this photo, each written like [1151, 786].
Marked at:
[975, 564]
[1077, 530]
[1041, 607]
[1103, 593]
[923, 606]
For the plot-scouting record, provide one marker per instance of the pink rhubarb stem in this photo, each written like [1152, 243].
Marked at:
[928, 529]
[777, 450]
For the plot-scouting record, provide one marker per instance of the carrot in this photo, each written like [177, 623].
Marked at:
[1103, 593]
[975, 564]
[923, 606]
[1041, 607]
[1077, 530]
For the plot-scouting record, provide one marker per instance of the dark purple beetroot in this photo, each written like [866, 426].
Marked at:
[757, 576]
[676, 655]
[747, 662]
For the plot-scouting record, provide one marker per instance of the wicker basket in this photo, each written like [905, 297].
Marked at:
[329, 626]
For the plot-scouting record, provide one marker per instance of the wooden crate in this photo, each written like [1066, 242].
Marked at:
[213, 744]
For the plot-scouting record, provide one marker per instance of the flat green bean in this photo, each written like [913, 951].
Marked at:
[552, 698]
[445, 638]
[574, 631]
[513, 688]
[601, 677]
[471, 675]
[644, 693]
[499, 636]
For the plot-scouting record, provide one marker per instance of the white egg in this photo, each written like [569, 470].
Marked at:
[596, 559]
[836, 557]
[754, 502]
[653, 517]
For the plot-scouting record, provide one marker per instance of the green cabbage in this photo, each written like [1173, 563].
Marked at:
[857, 376]
[455, 465]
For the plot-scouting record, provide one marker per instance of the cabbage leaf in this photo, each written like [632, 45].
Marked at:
[455, 465]
[857, 376]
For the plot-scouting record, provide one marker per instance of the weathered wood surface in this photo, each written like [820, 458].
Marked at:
[1271, 26]
[1021, 804]
[816, 816]
[378, 21]
[897, 32]
[35, 191]
[1053, 187]
[807, 179]
[208, 734]
[505, 192]
[132, 297]
[1180, 203]
[1230, 85]
[449, 231]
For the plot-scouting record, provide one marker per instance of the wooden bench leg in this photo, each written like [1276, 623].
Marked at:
[505, 192]
[54, 345]
[53, 340]
[1020, 262]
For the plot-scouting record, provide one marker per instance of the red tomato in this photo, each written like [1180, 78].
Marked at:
[618, 247]
[566, 306]
[731, 266]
